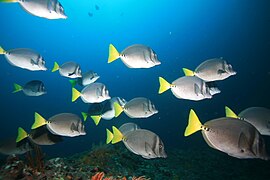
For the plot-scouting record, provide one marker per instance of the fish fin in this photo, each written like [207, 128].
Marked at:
[75, 94]
[109, 136]
[85, 115]
[117, 135]
[243, 143]
[39, 121]
[73, 127]
[197, 89]
[148, 149]
[17, 88]
[55, 67]
[163, 85]
[118, 109]
[194, 123]
[113, 54]
[230, 113]
[9, 1]
[73, 82]
[22, 134]
[220, 71]
[2, 51]
[96, 119]
[188, 72]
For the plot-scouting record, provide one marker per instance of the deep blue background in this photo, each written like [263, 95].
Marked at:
[182, 32]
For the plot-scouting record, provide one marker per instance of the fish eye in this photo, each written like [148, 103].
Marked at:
[242, 150]
[160, 146]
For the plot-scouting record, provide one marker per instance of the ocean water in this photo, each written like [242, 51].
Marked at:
[183, 33]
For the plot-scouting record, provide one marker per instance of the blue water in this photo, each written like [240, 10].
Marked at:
[182, 32]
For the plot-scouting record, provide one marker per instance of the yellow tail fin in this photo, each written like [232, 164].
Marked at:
[118, 109]
[188, 72]
[194, 123]
[39, 121]
[9, 1]
[75, 94]
[2, 51]
[96, 119]
[230, 113]
[117, 135]
[17, 88]
[22, 134]
[109, 136]
[55, 67]
[85, 115]
[163, 85]
[113, 54]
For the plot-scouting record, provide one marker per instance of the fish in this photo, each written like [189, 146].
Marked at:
[10, 147]
[24, 58]
[49, 9]
[135, 56]
[92, 93]
[31, 88]
[232, 136]
[104, 110]
[139, 107]
[128, 127]
[188, 87]
[259, 117]
[215, 69]
[86, 79]
[39, 136]
[140, 141]
[63, 124]
[69, 69]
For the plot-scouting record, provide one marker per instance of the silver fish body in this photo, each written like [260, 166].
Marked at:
[66, 124]
[140, 107]
[50, 9]
[139, 56]
[235, 137]
[144, 143]
[128, 127]
[42, 136]
[109, 111]
[190, 87]
[214, 70]
[95, 93]
[26, 59]
[34, 88]
[258, 117]
[88, 78]
[10, 147]
[70, 69]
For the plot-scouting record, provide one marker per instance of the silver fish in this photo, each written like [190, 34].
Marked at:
[10, 147]
[135, 56]
[32, 88]
[50, 9]
[92, 93]
[258, 117]
[127, 127]
[25, 59]
[42, 136]
[63, 124]
[139, 107]
[235, 137]
[212, 70]
[69, 69]
[188, 87]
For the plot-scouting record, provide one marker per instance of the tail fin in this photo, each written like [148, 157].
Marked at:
[55, 67]
[109, 136]
[117, 135]
[163, 85]
[9, 1]
[17, 88]
[230, 113]
[39, 121]
[118, 109]
[73, 82]
[22, 134]
[194, 123]
[2, 51]
[96, 119]
[75, 94]
[113, 54]
[85, 115]
[188, 72]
